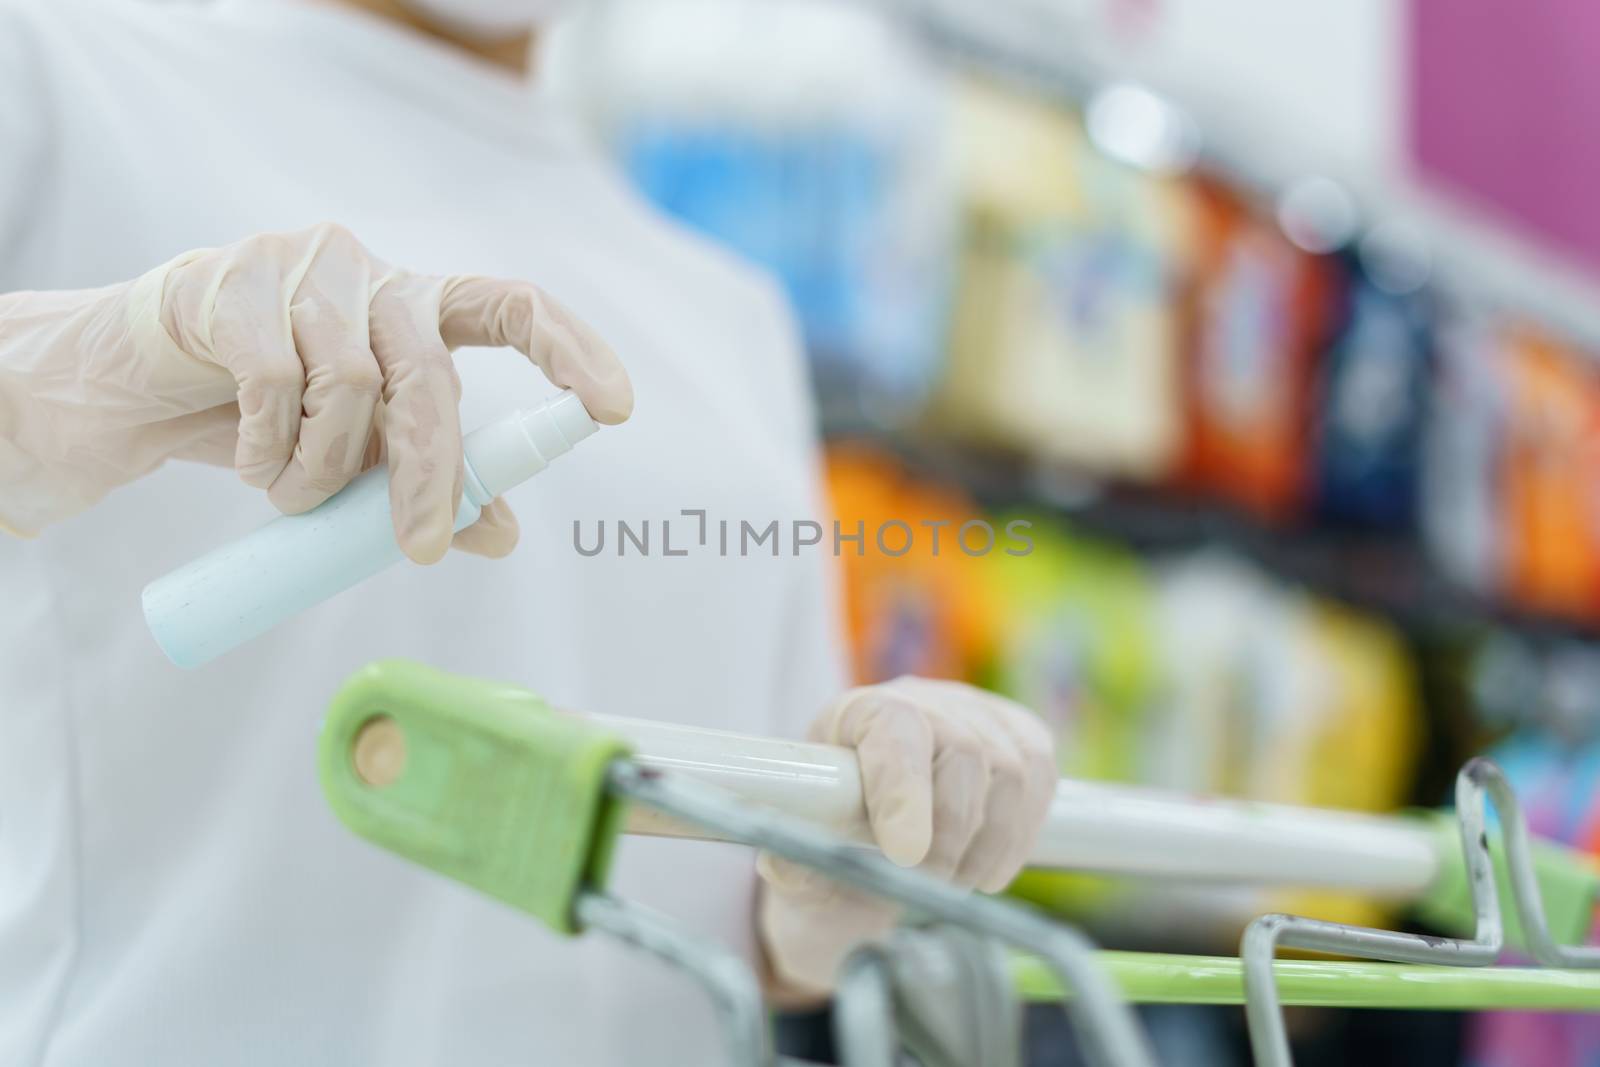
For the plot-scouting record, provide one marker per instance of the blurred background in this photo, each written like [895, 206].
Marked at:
[1278, 322]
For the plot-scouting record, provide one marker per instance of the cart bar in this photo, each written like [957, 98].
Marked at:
[1146, 978]
[1107, 1032]
[1093, 826]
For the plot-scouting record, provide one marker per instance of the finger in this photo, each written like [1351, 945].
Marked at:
[328, 317]
[1020, 753]
[808, 888]
[799, 882]
[895, 748]
[488, 311]
[988, 861]
[374, 454]
[960, 788]
[250, 335]
[421, 419]
[494, 535]
[807, 937]
[1035, 747]
[786, 876]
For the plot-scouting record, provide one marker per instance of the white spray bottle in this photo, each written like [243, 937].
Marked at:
[244, 589]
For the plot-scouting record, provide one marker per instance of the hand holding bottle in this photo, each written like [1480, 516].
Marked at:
[300, 359]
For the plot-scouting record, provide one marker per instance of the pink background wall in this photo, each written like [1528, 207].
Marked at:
[1505, 111]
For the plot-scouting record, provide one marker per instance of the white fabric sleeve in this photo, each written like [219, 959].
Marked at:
[814, 671]
[22, 124]
[22, 151]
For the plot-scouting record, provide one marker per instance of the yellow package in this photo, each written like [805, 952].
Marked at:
[1064, 335]
[1071, 642]
[1358, 751]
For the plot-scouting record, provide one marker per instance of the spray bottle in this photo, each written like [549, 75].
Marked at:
[244, 589]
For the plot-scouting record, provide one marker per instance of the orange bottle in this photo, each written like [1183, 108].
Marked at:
[1261, 313]
[1550, 478]
[916, 612]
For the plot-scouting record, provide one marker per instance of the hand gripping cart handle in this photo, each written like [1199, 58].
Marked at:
[486, 784]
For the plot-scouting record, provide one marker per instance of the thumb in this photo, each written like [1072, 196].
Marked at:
[494, 535]
[894, 745]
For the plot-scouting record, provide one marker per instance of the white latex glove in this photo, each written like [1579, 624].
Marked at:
[957, 782]
[299, 358]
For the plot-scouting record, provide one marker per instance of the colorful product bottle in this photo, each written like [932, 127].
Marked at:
[812, 144]
[1065, 333]
[1261, 315]
[1462, 444]
[1369, 432]
[919, 612]
[1549, 474]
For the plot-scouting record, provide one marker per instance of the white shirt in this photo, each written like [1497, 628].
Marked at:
[173, 889]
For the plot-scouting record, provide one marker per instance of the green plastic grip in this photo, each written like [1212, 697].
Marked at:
[1569, 885]
[487, 785]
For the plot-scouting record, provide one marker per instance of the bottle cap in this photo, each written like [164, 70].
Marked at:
[556, 425]
[509, 451]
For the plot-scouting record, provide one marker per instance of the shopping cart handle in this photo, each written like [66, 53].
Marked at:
[1093, 826]
[495, 779]
[482, 782]
[1134, 831]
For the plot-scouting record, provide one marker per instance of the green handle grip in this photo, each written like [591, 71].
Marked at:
[1569, 886]
[480, 781]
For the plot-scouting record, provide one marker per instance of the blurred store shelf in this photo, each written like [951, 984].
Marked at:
[1382, 573]
[1467, 258]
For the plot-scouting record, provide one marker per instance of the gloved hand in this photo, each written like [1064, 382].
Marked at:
[957, 782]
[299, 359]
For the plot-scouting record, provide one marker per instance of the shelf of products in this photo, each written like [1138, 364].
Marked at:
[1373, 571]
[1310, 465]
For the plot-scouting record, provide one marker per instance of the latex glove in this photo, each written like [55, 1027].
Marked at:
[957, 782]
[299, 358]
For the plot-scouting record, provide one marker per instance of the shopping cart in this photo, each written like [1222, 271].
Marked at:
[485, 783]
